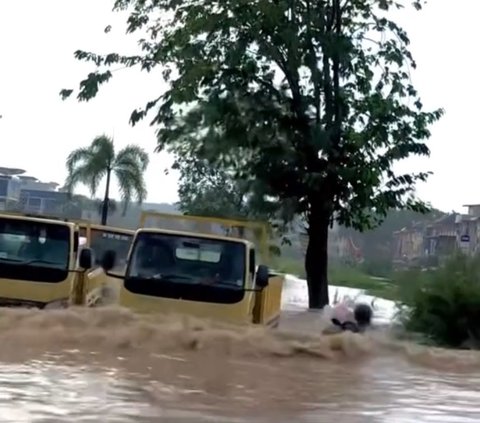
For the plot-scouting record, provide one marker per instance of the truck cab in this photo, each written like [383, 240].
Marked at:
[203, 275]
[38, 261]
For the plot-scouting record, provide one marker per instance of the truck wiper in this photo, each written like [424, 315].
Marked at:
[229, 285]
[40, 261]
[33, 261]
[175, 276]
[12, 260]
[221, 284]
[167, 277]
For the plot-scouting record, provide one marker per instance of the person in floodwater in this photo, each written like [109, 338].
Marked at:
[363, 314]
[358, 320]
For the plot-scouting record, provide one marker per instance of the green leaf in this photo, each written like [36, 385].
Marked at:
[64, 94]
[89, 86]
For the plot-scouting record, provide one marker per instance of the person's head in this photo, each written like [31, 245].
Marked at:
[363, 314]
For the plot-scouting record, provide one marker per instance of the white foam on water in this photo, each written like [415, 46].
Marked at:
[295, 296]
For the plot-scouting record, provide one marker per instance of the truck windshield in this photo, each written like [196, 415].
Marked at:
[181, 259]
[103, 240]
[26, 242]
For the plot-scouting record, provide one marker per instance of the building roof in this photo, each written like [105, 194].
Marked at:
[448, 219]
[11, 171]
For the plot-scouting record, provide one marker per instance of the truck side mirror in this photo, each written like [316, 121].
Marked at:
[108, 260]
[261, 278]
[85, 261]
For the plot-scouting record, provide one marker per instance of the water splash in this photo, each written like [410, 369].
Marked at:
[110, 364]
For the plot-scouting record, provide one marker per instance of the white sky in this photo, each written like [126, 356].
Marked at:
[38, 130]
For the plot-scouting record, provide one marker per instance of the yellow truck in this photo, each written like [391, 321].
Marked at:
[40, 262]
[99, 288]
[102, 238]
[208, 271]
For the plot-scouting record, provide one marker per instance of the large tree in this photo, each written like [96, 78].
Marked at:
[90, 165]
[313, 98]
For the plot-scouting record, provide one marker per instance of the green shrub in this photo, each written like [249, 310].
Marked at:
[443, 304]
[377, 267]
[353, 277]
[340, 274]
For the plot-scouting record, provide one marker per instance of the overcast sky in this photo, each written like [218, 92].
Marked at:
[38, 130]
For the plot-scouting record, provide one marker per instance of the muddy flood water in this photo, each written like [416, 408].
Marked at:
[108, 365]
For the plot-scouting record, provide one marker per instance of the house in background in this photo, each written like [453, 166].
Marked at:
[441, 236]
[439, 239]
[341, 247]
[42, 202]
[468, 230]
[27, 194]
[9, 187]
[408, 244]
[473, 209]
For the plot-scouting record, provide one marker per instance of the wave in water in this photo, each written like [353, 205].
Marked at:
[114, 331]
[118, 329]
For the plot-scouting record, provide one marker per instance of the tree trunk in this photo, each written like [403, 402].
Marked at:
[106, 199]
[316, 260]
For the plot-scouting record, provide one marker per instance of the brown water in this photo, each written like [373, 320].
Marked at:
[110, 365]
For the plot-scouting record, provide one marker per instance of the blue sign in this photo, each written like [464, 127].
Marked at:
[465, 238]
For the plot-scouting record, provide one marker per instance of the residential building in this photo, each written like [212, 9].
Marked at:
[9, 191]
[440, 239]
[473, 209]
[42, 202]
[408, 244]
[441, 236]
[27, 194]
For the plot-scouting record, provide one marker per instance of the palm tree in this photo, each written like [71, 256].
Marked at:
[89, 165]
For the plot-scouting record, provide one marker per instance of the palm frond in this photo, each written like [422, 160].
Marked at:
[80, 155]
[125, 192]
[88, 174]
[78, 175]
[133, 155]
[131, 183]
[130, 165]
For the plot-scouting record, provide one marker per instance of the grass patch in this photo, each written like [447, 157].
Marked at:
[289, 266]
[342, 275]
[351, 277]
